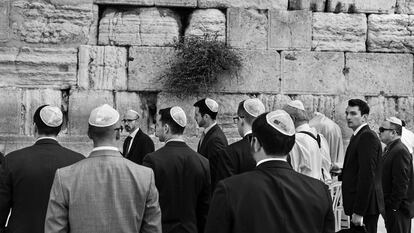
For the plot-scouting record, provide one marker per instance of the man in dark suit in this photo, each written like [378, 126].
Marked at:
[26, 175]
[397, 178]
[182, 176]
[213, 140]
[361, 175]
[237, 157]
[273, 197]
[137, 144]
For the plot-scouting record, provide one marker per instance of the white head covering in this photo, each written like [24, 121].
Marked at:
[103, 116]
[254, 107]
[211, 104]
[281, 121]
[178, 115]
[394, 120]
[51, 116]
[132, 115]
[296, 104]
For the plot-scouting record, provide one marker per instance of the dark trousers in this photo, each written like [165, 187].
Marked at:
[397, 222]
[371, 223]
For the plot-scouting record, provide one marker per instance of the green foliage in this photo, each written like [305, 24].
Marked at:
[200, 62]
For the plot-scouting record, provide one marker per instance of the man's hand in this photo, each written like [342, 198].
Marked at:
[357, 220]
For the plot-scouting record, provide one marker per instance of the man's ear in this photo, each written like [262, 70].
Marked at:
[365, 118]
[255, 144]
[166, 128]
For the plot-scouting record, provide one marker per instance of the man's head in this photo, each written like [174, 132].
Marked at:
[205, 112]
[356, 113]
[273, 135]
[390, 130]
[104, 125]
[131, 120]
[47, 120]
[247, 112]
[171, 122]
[297, 112]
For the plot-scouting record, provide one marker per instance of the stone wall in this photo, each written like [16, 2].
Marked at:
[79, 54]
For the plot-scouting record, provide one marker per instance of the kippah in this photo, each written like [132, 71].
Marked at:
[394, 120]
[131, 115]
[178, 115]
[211, 104]
[51, 116]
[103, 116]
[281, 121]
[296, 104]
[254, 107]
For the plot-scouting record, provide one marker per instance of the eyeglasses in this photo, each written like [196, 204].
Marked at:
[129, 120]
[236, 119]
[382, 129]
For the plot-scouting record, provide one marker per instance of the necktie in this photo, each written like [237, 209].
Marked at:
[201, 140]
[127, 142]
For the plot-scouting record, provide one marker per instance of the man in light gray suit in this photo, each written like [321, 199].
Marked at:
[104, 193]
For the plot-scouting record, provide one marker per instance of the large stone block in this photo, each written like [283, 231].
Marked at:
[32, 99]
[312, 72]
[247, 28]
[81, 104]
[255, 4]
[126, 2]
[176, 3]
[390, 33]
[4, 20]
[139, 26]
[405, 7]
[146, 67]
[290, 30]
[38, 67]
[102, 67]
[361, 6]
[379, 73]
[339, 32]
[274, 102]
[11, 114]
[313, 5]
[51, 22]
[406, 110]
[260, 73]
[207, 21]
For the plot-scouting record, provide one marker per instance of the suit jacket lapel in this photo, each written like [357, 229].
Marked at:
[206, 137]
[134, 142]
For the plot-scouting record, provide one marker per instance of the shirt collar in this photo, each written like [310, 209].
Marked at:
[41, 138]
[208, 128]
[175, 140]
[270, 159]
[304, 127]
[248, 132]
[359, 128]
[134, 133]
[99, 148]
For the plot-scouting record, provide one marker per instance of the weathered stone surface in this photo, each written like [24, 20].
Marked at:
[312, 72]
[102, 67]
[290, 30]
[380, 108]
[274, 102]
[405, 7]
[126, 2]
[339, 32]
[260, 72]
[139, 26]
[176, 3]
[52, 22]
[147, 67]
[247, 28]
[299, 4]
[93, 30]
[11, 115]
[390, 33]
[81, 104]
[318, 5]
[361, 6]
[375, 73]
[255, 4]
[38, 67]
[208, 21]
[4, 20]
[32, 99]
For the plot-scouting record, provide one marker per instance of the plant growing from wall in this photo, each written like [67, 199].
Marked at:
[200, 63]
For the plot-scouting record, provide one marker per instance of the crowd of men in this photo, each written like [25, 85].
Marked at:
[272, 180]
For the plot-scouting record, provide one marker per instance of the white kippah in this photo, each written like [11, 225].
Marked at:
[394, 120]
[103, 116]
[296, 104]
[254, 107]
[211, 104]
[131, 115]
[51, 116]
[178, 115]
[281, 121]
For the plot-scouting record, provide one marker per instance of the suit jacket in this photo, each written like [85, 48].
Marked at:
[271, 198]
[236, 159]
[397, 178]
[1, 158]
[103, 193]
[26, 177]
[182, 177]
[141, 146]
[211, 147]
[361, 175]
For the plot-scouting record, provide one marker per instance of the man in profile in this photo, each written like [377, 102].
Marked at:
[104, 192]
[273, 197]
[182, 176]
[26, 175]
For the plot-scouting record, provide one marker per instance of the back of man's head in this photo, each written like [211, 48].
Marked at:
[250, 109]
[175, 118]
[48, 120]
[103, 122]
[362, 105]
[297, 111]
[207, 106]
[275, 132]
